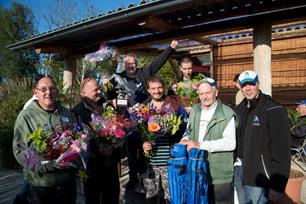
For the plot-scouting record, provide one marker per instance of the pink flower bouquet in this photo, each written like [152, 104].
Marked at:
[66, 148]
[110, 128]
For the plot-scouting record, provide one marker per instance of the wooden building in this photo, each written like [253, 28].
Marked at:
[235, 54]
[211, 26]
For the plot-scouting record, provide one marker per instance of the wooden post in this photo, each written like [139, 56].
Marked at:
[262, 56]
[69, 72]
[212, 62]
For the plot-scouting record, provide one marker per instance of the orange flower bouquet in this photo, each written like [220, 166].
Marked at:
[153, 124]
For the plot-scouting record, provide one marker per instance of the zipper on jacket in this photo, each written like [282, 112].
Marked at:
[264, 166]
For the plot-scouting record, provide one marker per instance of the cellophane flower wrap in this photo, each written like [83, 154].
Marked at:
[153, 123]
[66, 149]
[187, 90]
[104, 62]
[110, 128]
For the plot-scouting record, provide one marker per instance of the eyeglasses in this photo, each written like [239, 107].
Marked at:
[45, 89]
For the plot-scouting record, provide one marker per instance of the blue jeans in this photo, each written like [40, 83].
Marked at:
[238, 184]
[255, 195]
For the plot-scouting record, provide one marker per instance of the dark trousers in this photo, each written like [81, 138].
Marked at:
[102, 184]
[22, 196]
[221, 193]
[62, 194]
[136, 159]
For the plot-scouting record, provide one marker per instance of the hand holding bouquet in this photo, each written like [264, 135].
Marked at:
[153, 123]
[63, 148]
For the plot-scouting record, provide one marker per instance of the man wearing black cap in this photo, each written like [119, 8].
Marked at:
[298, 133]
[263, 143]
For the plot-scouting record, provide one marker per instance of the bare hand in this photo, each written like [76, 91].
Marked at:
[190, 144]
[188, 109]
[173, 44]
[147, 146]
[184, 142]
[274, 195]
[174, 87]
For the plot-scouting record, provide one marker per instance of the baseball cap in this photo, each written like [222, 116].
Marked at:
[209, 81]
[303, 102]
[248, 76]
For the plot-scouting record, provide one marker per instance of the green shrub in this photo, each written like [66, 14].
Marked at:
[13, 95]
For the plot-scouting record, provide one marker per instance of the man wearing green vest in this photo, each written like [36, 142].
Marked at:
[212, 128]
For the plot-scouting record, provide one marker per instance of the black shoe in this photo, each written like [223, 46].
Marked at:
[131, 184]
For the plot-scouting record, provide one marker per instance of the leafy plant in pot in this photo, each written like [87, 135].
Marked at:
[296, 177]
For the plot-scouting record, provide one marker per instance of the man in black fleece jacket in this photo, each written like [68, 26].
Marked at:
[263, 143]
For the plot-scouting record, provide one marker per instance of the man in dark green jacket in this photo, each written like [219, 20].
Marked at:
[48, 182]
[212, 128]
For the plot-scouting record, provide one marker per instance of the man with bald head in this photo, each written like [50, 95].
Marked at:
[91, 101]
[102, 184]
[211, 127]
[48, 182]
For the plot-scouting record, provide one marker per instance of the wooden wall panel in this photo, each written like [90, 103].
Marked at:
[288, 68]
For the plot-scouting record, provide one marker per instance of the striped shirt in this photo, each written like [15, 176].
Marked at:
[161, 151]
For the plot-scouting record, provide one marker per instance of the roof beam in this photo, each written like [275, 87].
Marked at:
[230, 24]
[156, 23]
[52, 49]
[205, 40]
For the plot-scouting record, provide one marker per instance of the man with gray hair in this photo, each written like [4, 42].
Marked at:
[211, 127]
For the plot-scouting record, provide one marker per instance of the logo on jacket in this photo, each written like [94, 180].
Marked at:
[255, 121]
[138, 85]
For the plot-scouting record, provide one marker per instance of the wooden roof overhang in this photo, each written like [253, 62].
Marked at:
[137, 28]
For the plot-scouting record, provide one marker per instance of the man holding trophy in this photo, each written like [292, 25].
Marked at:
[131, 89]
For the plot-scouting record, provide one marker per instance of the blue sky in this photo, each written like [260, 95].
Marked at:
[43, 7]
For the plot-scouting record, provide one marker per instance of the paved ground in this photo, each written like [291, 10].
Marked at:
[11, 183]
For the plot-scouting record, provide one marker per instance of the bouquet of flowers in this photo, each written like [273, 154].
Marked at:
[65, 148]
[187, 90]
[110, 128]
[153, 123]
[104, 62]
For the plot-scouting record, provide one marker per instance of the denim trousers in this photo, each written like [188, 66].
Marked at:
[238, 184]
[256, 195]
[248, 194]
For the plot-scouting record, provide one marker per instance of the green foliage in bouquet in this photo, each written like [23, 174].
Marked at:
[39, 142]
[188, 88]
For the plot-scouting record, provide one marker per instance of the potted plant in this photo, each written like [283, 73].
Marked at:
[294, 118]
[296, 177]
[294, 186]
